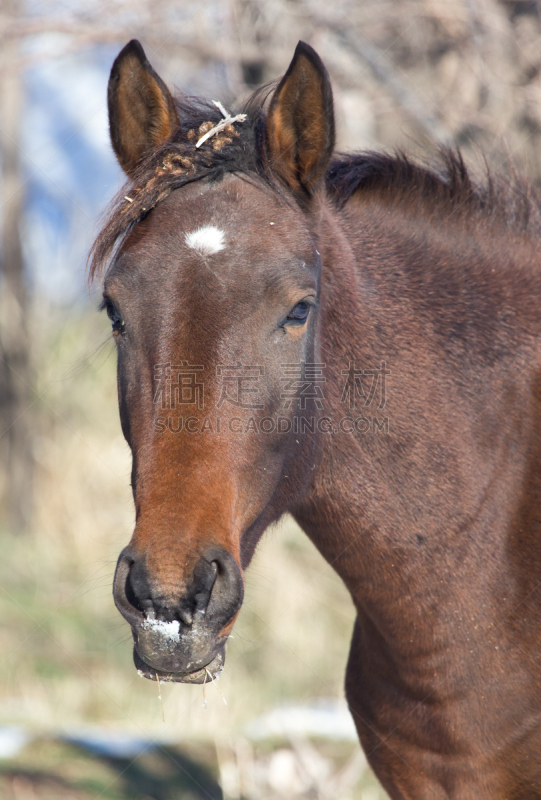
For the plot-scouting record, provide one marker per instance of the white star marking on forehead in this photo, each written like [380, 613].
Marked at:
[206, 241]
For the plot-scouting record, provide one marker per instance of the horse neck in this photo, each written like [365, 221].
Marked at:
[434, 491]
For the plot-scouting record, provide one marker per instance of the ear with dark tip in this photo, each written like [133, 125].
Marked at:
[142, 113]
[300, 122]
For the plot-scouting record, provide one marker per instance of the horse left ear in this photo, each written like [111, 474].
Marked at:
[300, 122]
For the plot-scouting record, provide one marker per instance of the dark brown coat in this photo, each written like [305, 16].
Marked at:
[431, 514]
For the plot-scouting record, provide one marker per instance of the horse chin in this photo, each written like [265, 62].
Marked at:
[203, 675]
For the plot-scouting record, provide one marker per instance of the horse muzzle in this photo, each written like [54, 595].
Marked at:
[180, 639]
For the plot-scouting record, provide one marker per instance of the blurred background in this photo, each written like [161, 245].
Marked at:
[75, 719]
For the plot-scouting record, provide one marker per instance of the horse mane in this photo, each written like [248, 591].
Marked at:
[446, 185]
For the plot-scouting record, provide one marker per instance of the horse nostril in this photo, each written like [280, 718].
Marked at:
[125, 599]
[227, 591]
[138, 591]
[131, 596]
[204, 579]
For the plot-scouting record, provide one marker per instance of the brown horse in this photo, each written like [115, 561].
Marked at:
[357, 342]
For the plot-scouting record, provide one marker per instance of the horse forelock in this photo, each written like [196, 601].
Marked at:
[235, 148]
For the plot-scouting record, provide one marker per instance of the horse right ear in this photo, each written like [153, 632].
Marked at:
[142, 113]
[300, 122]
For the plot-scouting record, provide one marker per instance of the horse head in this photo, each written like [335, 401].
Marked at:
[212, 292]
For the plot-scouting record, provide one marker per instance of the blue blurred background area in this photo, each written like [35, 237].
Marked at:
[68, 166]
[75, 719]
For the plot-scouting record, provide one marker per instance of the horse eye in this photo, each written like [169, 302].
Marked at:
[299, 314]
[114, 316]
